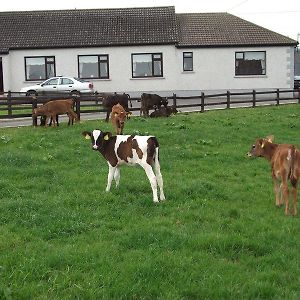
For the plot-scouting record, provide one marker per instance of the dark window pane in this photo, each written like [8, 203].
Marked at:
[146, 65]
[250, 63]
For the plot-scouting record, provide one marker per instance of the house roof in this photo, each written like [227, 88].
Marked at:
[224, 29]
[88, 28]
[129, 26]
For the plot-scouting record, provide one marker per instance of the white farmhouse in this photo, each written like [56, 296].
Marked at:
[139, 50]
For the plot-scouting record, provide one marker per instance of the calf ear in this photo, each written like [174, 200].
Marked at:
[107, 136]
[270, 138]
[87, 135]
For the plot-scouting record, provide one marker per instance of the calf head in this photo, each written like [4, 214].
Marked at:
[259, 148]
[98, 137]
[36, 112]
[164, 101]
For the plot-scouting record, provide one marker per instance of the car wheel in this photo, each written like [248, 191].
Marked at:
[31, 93]
[75, 94]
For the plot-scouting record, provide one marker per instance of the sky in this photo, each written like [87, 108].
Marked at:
[279, 16]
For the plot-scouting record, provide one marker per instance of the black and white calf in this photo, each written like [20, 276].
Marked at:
[129, 150]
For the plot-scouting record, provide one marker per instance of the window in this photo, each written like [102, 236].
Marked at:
[93, 66]
[250, 63]
[187, 61]
[39, 67]
[53, 81]
[146, 65]
[66, 81]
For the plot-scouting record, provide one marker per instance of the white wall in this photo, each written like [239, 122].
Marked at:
[213, 69]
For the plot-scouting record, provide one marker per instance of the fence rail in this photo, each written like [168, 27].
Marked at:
[15, 105]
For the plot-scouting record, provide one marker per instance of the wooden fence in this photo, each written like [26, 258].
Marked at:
[14, 105]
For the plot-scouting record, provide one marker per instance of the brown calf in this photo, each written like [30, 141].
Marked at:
[118, 117]
[285, 163]
[56, 107]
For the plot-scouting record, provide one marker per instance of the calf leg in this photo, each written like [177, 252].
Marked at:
[277, 191]
[294, 193]
[46, 120]
[285, 191]
[121, 128]
[73, 116]
[107, 115]
[110, 176]
[53, 117]
[152, 179]
[71, 119]
[117, 176]
[159, 179]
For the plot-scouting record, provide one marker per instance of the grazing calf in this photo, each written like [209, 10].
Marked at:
[56, 107]
[129, 150]
[163, 112]
[285, 163]
[118, 118]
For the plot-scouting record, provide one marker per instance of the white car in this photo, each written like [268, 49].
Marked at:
[59, 84]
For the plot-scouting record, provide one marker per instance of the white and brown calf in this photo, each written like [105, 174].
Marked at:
[129, 150]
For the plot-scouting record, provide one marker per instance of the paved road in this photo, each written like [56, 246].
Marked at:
[18, 122]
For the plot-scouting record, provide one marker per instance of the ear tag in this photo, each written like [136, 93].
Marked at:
[106, 137]
[263, 145]
[87, 137]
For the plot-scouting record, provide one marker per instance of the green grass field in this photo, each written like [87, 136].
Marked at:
[217, 236]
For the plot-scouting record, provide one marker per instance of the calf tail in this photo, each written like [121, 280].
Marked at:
[129, 99]
[295, 164]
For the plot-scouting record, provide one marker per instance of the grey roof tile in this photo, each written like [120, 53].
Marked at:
[97, 27]
[129, 26]
[224, 29]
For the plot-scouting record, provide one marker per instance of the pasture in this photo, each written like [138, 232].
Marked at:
[217, 236]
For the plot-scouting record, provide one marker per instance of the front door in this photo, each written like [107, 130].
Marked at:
[1, 77]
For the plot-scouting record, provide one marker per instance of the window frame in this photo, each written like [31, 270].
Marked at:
[99, 56]
[45, 63]
[183, 59]
[264, 70]
[153, 60]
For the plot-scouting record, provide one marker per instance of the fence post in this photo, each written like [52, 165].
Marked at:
[9, 106]
[228, 99]
[34, 105]
[174, 101]
[77, 103]
[277, 97]
[299, 96]
[253, 98]
[202, 101]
